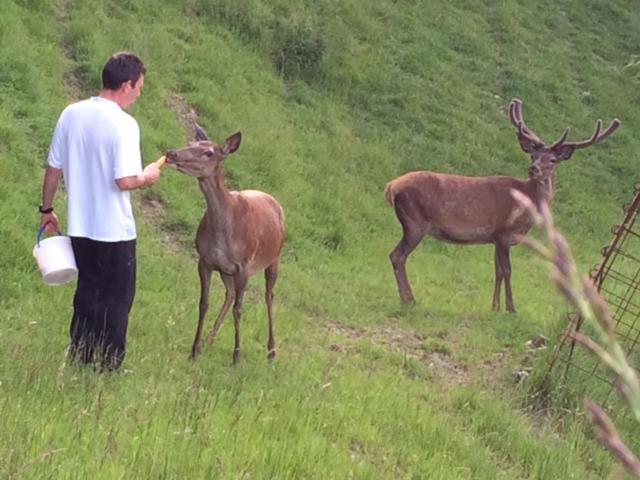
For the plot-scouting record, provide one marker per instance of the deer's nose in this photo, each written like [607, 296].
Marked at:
[534, 170]
[171, 155]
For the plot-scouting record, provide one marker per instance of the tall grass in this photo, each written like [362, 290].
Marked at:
[333, 99]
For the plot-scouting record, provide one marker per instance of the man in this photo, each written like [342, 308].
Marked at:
[96, 146]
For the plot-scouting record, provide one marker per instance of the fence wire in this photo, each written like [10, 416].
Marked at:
[617, 278]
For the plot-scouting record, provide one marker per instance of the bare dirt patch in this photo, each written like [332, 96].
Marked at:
[153, 210]
[152, 205]
[73, 85]
[73, 81]
[493, 373]
[406, 342]
[186, 114]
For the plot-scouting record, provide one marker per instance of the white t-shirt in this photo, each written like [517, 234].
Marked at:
[96, 142]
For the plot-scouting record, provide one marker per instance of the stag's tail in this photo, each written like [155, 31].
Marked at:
[389, 194]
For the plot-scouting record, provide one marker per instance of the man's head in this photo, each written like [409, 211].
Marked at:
[123, 75]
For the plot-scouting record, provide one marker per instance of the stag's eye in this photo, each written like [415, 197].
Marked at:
[209, 152]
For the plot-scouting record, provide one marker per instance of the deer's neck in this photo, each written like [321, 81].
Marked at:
[218, 201]
[543, 190]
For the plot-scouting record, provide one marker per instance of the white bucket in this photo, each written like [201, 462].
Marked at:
[55, 259]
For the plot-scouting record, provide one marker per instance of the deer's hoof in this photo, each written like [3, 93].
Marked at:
[408, 300]
[271, 355]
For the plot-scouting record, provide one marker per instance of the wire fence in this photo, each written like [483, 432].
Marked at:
[617, 278]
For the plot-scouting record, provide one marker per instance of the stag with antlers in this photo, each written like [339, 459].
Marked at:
[478, 210]
[240, 234]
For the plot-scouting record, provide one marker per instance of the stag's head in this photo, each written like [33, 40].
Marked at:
[545, 159]
[201, 157]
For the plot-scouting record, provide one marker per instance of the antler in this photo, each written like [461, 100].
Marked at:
[515, 113]
[595, 138]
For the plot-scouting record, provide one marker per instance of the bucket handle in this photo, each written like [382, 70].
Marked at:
[40, 232]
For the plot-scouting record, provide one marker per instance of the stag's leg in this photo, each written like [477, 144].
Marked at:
[496, 289]
[228, 298]
[271, 275]
[502, 254]
[205, 283]
[410, 240]
[240, 282]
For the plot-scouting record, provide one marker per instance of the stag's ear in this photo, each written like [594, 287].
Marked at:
[528, 145]
[201, 134]
[564, 152]
[232, 143]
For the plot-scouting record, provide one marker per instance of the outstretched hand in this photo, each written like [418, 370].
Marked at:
[151, 173]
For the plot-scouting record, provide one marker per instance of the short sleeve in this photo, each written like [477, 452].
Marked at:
[57, 149]
[127, 161]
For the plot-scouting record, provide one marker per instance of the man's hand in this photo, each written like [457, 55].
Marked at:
[151, 173]
[50, 222]
[149, 176]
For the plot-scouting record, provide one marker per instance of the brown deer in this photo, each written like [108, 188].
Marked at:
[240, 234]
[478, 210]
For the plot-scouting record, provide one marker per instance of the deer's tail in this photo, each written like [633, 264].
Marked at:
[389, 194]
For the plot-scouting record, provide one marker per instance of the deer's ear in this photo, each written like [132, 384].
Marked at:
[232, 143]
[201, 134]
[527, 145]
[564, 152]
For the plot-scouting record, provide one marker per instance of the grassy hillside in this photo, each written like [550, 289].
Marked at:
[333, 99]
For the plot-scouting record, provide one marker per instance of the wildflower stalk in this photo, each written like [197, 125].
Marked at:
[582, 294]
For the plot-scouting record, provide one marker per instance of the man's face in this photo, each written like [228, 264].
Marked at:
[131, 92]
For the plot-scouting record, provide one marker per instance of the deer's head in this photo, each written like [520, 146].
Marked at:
[545, 159]
[201, 157]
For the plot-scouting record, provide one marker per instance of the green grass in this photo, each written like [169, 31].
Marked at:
[333, 99]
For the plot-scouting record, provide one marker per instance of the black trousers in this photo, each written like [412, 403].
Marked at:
[102, 302]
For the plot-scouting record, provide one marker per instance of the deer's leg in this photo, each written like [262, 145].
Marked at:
[271, 275]
[228, 298]
[240, 283]
[205, 283]
[410, 240]
[496, 289]
[502, 253]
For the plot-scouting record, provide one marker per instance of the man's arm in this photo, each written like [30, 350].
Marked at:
[149, 176]
[49, 187]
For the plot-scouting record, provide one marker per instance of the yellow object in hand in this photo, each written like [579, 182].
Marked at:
[160, 162]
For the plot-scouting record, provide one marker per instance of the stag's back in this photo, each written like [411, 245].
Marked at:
[455, 208]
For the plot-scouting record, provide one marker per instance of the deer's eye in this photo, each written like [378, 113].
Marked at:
[209, 152]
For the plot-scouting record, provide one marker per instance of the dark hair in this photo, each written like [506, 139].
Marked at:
[120, 68]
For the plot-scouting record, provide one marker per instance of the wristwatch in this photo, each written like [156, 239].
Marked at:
[45, 210]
